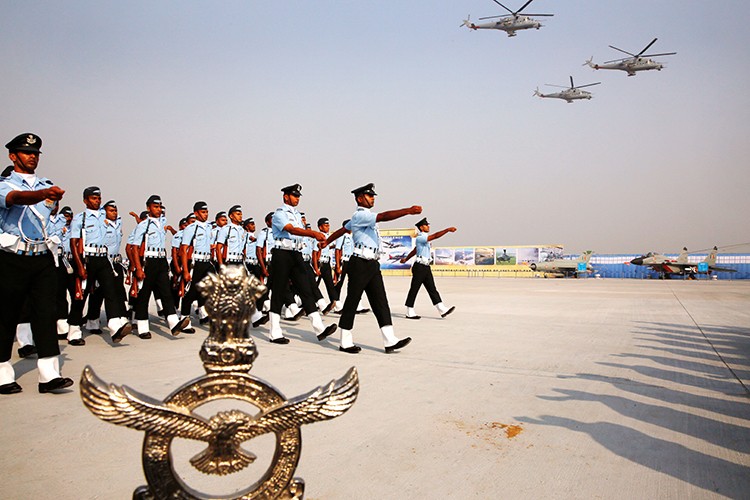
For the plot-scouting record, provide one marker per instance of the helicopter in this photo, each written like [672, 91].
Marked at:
[570, 94]
[636, 62]
[510, 23]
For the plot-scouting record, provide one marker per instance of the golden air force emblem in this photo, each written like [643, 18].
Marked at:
[227, 355]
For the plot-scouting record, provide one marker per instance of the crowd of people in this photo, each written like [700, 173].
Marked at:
[55, 264]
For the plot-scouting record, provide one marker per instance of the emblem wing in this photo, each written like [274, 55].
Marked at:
[323, 403]
[122, 406]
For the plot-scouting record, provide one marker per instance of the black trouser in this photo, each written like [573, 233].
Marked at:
[66, 285]
[364, 276]
[200, 271]
[157, 279]
[33, 279]
[95, 300]
[288, 296]
[344, 272]
[289, 265]
[314, 288]
[253, 269]
[99, 269]
[421, 274]
[326, 274]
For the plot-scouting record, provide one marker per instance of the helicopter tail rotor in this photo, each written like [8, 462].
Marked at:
[467, 22]
[590, 63]
[537, 93]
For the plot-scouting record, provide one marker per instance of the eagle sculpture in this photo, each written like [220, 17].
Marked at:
[225, 431]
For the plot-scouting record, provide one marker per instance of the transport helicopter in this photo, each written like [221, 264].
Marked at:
[570, 94]
[636, 62]
[509, 23]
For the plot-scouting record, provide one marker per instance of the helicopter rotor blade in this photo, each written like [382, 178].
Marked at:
[647, 47]
[523, 7]
[571, 82]
[587, 85]
[657, 55]
[538, 15]
[558, 86]
[494, 17]
[623, 51]
[618, 60]
[504, 7]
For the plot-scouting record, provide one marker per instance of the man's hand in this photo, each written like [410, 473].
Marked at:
[415, 210]
[319, 236]
[54, 193]
[140, 275]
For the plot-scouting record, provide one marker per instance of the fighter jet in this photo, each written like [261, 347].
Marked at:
[667, 267]
[560, 268]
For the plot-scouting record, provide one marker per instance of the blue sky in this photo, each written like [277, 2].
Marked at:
[229, 101]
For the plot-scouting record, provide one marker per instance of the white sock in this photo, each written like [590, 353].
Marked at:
[202, 314]
[346, 338]
[93, 324]
[297, 300]
[255, 316]
[389, 338]
[62, 326]
[23, 334]
[49, 368]
[172, 320]
[321, 304]
[276, 332]
[142, 326]
[410, 311]
[441, 307]
[158, 304]
[292, 310]
[7, 374]
[115, 324]
[317, 322]
[74, 332]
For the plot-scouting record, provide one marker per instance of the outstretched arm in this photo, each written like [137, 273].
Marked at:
[409, 255]
[333, 237]
[437, 235]
[397, 214]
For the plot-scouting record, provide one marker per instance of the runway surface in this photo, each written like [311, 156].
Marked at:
[615, 389]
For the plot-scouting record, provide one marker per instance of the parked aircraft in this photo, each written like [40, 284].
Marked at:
[667, 267]
[563, 267]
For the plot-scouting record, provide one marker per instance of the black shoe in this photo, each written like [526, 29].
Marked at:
[297, 316]
[29, 350]
[281, 340]
[328, 308]
[55, 384]
[262, 321]
[62, 336]
[122, 332]
[160, 312]
[327, 332]
[363, 311]
[181, 325]
[96, 331]
[446, 313]
[76, 342]
[398, 345]
[144, 336]
[189, 330]
[12, 388]
[205, 321]
[413, 317]
[351, 350]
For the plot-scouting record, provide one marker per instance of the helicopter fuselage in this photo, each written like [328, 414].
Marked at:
[510, 25]
[568, 95]
[631, 66]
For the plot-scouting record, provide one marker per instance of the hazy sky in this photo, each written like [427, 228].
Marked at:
[229, 101]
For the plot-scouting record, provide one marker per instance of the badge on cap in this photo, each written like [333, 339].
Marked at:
[294, 189]
[235, 208]
[366, 189]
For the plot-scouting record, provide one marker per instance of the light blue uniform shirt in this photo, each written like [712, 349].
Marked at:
[152, 231]
[56, 225]
[113, 236]
[346, 245]
[20, 220]
[423, 246]
[364, 228]
[283, 216]
[265, 240]
[177, 239]
[95, 230]
[198, 234]
[233, 237]
[250, 245]
[309, 244]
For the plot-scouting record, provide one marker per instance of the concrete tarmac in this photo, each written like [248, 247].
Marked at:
[615, 389]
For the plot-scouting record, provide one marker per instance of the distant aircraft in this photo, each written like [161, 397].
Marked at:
[570, 94]
[509, 23]
[667, 267]
[560, 268]
[636, 62]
